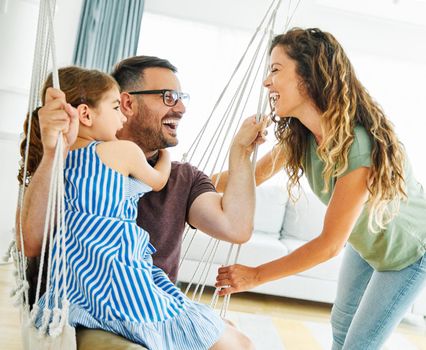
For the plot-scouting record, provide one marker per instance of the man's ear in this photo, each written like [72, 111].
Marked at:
[84, 115]
[127, 104]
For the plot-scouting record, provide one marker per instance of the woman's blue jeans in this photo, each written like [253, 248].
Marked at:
[370, 304]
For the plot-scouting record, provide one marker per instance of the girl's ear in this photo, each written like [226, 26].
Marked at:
[84, 116]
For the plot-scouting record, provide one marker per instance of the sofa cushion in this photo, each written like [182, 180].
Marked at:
[262, 247]
[303, 219]
[328, 270]
[270, 208]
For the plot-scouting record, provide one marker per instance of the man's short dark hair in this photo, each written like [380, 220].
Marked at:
[129, 72]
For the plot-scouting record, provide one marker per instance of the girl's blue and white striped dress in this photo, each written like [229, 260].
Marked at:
[112, 283]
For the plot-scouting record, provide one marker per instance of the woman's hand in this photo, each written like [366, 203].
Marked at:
[57, 115]
[237, 278]
[251, 133]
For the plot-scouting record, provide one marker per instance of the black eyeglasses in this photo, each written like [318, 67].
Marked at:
[170, 97]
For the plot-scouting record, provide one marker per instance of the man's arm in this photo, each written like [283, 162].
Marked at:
[229, 217]
[54, 117]
[34, 208]
[266, 167]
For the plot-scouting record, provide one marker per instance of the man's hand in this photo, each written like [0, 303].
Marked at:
[55, 116]
[251, 133]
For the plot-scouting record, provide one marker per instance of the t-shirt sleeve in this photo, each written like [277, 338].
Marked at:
[360, 151]
[201, 183]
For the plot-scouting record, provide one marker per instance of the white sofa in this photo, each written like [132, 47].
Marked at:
[279, 228]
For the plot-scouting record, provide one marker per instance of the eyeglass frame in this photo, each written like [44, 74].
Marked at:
[180, 95]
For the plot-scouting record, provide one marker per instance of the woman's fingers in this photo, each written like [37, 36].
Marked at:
[222, 276]
[223, 283]
[227, 276]
[226, 291]
[237, 278]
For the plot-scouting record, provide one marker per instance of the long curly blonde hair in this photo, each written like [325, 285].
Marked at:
[328, 78]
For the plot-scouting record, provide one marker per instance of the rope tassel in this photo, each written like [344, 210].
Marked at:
[44, 322]
[34, 313]
[57, 325]
[8, 254]
[54, 329]
[18, 292]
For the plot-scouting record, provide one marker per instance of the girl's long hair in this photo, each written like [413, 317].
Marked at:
[328, 78]
[80, 85]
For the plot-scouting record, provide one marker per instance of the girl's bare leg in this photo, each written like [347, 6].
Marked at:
[233, 339]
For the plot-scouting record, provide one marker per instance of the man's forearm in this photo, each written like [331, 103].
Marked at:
[35, 206]
[239, 197]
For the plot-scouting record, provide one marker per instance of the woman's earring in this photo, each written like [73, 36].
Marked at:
[272, 102]
[274, 117]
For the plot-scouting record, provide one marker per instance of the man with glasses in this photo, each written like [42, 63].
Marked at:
[153, 103]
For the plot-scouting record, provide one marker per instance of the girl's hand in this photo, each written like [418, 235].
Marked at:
[164, 154]
[57, 115]
[236, 278]
[251, 133]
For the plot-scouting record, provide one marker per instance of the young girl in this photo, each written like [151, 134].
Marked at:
[331, 130]
[112, 283]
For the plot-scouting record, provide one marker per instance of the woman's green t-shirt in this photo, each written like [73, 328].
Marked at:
[403, 241]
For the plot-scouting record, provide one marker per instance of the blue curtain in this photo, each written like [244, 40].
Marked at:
[108, 32]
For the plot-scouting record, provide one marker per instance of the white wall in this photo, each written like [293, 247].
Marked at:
[8, 187]
[384, 39]
[18, 23]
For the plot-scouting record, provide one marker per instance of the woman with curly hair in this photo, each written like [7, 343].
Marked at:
[330, 130]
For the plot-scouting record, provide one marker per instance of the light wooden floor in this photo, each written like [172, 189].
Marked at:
[287, 309]
[10, 335]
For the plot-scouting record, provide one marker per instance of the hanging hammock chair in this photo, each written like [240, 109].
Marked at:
[244, 85]
[48, 327]
[45, 328]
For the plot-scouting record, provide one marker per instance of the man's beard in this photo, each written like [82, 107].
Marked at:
[145, 130]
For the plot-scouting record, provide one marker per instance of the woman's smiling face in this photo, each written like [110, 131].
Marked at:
[285, 85]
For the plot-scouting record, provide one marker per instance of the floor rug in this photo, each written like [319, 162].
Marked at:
[276, 333]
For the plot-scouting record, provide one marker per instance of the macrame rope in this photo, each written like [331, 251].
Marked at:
[205, 271]
[198, 265]
[236, 102]
[227, 298]
[208, 270]
[223, 131]
[203, 276]
[215, 297]
[194, 232]
[22, 260]
[199, 137]
[54, 228]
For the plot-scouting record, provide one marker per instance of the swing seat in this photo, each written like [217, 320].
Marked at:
[33, 341]
[88, 339]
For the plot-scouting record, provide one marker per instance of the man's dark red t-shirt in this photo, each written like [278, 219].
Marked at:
[163, 214]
